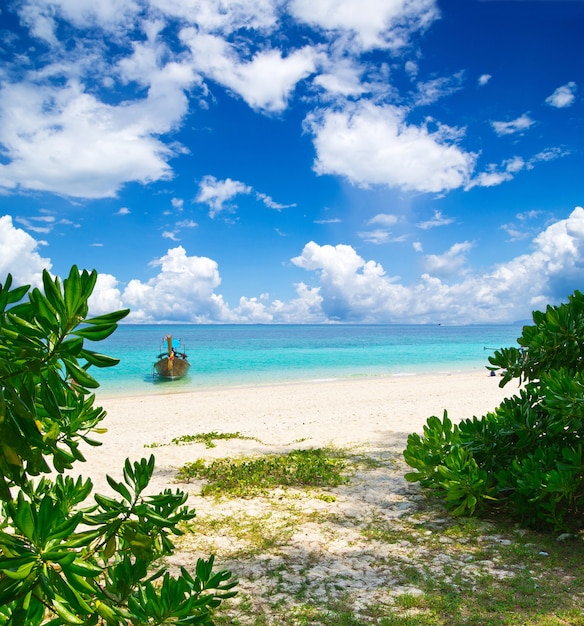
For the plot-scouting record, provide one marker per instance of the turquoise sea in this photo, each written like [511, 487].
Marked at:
[235, 355]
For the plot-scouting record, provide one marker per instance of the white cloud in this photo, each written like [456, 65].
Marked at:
[332, 220]
[432, 90]
[371, 144]
[37, 224]
[349, 288]
[353, 289]
[177, 204]
[223, 16]
[271, 204]
[437, 220]
[265, 82]
[215, 193]
[183, 291]
[372, 23]
[411, 68]
[340, 77]
[66, 141]
[19, 255]
[60, 134]
[518, 125]
[377, 236]
[484, 79]
[187, 224]
[111, 15]
[496, 175]
[106, 296]
[563, 96]
[449, 263]
[384, 219]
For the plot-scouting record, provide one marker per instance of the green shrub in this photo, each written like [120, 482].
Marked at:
[63, 559]
[314, 467]
[525, 457]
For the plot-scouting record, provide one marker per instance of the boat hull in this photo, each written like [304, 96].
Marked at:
[172, 368]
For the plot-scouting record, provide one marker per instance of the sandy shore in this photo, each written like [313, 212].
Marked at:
[293, 549]
[338, 412]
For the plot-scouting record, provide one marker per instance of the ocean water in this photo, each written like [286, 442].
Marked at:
[235, 355]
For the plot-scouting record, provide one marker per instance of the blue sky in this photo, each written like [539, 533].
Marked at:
[296, 161]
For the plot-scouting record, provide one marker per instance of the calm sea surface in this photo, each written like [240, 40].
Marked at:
[232, 355]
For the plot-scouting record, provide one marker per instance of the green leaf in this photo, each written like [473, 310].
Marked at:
[64, 613]
[79, 375]
[44, 310]
[95, 333]
[23, 517]
[99, 360]
[22, 572]
[108, 318]
[53, 293]
[120, 488]
[72, 291]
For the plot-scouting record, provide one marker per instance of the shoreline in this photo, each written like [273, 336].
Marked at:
[277, 417]
[185, 386]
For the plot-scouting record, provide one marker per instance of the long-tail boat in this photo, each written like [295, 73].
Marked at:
[172, 363]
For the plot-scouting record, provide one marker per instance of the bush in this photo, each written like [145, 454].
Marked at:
[525, 457]
[63, 559]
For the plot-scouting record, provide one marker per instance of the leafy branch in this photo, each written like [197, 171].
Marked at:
[63, 559]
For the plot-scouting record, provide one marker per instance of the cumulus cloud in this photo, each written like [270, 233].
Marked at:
[372, 23]
[225, 16]
[83, 125]
[449, 263]
[68, 142]
[111, 15]
[265, 82]
[355, 289]
[563, 96]
[106, 296]
[484, 79]
[377, 236]
[351, 288]
[340, 77]
[182, 291]
[19, 255]
[348, 287]
[216, 193]
[369, 144]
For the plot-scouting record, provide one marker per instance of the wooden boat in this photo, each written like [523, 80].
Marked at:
[172, 363]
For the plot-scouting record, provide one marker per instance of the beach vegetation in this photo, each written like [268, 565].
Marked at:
[245, 477]
[382, 553]
[208, 439]
[525, 459]
[67, 557]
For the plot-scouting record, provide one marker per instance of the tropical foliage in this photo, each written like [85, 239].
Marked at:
[526, 457]
[63, 558]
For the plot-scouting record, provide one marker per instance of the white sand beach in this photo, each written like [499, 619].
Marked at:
[317, 547]
[337, 412]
